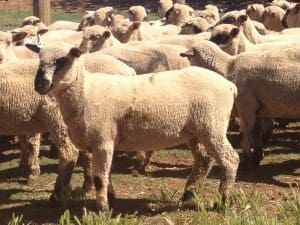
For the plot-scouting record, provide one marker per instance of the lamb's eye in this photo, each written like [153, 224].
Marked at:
[93, 37]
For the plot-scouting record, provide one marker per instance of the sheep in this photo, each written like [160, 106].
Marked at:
[233, 41]
[136, 117]
[283, 4]
[25, 114]
[210, 14]
[241, 20]
[63, 25]
[104, 16]
[254, 73]
[255, 12]
[195, 25]
[149, 58]
[137, 13]
[272, 17]
[291, 17]
[179, 14]
[163, 7]
[98, 37]
[31, 20]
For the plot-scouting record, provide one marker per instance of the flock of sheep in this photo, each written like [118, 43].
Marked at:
[111, 84]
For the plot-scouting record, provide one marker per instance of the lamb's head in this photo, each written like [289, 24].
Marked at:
[179, 14]
[137, 13]
[208, 55]
[272, 17]
[163, 7]
[87, 21]
[210, 14]
[126, 31]
[291, 17]
[255, 11]
[32, 33]
[57, 69]
[104, 16]
[227, 37]
[31, 20]
[194, 26]
[235, 17]
[6, 45]
[94, 38]
[282, 4]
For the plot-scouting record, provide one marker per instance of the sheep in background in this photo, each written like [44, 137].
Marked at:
[255, 11]
[210, 13]
[136, 116]
[104, 16]
[292, 17]
[137, 13]
[272, 17]
[268, 86]
[195, 25]
[284, 4]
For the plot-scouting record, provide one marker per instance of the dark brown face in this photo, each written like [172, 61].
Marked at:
[41, 85]
[284, 18]
[220, 39]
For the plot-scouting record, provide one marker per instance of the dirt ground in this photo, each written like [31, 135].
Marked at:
[168, 171]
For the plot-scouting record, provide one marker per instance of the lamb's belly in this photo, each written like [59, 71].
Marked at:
[151, 141]
[17, 127]
[282, 112]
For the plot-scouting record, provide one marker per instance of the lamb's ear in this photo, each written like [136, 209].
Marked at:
[234, 32]
[135, 25]
[242, 18]
[42, 31]
[189, 53]
[33, 47]
[19, 36]
[35, 22]
[297, 7]
[74, 52]
[106, 34]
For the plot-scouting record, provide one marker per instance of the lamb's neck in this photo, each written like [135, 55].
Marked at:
[245, 44]
[10, 55]
[71, 101]
[216, 59]
[251, 33]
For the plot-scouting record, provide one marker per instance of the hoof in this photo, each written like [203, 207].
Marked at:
[54, 199]
[111, 197]
[188, 196]
[88, 185]
[102, 207]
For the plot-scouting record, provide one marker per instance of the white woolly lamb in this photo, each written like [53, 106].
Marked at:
[143, 113]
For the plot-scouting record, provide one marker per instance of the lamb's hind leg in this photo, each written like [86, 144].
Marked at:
[101, 163]
[219, 147]
[30, 149]
[202, 166]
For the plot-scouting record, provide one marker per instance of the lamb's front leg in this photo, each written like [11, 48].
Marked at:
[101, 162]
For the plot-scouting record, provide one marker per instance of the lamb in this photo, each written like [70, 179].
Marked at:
[283, 4]
[210, 14]
[137, 13]
[179, 14]
[98, 37]
[233, 41]
[104, 16]
[291, 17]
[195, 25]
[138, 117]
[272, 17]
[163, 7]
[241, 20]
[38, 114]
[255, 12]
[149, 58]
[254, 73]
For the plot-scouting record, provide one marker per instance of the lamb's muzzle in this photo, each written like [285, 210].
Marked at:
[41, 84]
